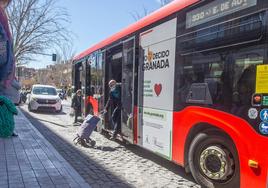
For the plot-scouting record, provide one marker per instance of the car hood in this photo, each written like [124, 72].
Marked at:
[50, 97]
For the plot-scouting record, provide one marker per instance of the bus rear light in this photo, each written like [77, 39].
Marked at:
[253, 164]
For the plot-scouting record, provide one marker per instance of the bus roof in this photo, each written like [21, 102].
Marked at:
[171, 8]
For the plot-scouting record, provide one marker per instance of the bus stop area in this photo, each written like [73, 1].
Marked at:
[110, 163]
[29, 160]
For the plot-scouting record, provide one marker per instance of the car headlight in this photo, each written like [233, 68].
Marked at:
[58, 100]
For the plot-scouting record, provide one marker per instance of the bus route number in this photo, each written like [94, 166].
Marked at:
[216, 9]
[198, 16]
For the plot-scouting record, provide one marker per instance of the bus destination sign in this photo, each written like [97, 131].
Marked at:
[216, 9]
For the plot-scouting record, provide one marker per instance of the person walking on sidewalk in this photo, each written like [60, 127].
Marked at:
[76, 105]
[115, 102]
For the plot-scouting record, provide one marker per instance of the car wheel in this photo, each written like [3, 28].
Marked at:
[213, 161]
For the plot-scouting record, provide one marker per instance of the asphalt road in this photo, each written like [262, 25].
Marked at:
[110, 163]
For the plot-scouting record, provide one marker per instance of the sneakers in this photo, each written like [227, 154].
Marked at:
[14, 134]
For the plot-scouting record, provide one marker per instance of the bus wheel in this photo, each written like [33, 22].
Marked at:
[213, 161]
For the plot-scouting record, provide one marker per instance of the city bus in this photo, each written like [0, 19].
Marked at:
[194, 87]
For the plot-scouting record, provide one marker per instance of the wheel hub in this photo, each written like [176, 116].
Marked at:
[215, 163]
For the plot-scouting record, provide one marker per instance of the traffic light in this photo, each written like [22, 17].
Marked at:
[54, 57]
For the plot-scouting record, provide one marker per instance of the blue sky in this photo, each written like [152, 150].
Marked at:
[95, 20]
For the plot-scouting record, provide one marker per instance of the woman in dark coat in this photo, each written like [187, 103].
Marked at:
[76, 104]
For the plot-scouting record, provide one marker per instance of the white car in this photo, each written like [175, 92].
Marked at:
[44, 97]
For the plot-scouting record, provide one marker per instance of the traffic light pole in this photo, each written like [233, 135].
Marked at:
[54, 56]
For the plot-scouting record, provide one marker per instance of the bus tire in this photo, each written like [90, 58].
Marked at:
[213, 161]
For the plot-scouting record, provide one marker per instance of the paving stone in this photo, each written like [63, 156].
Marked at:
[28, 160]
[4, 185]
[31, 185]
[16, 185]
[116, 164]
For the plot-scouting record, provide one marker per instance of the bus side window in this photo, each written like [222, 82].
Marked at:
[244, 88]
[202, 77]
[186, 82]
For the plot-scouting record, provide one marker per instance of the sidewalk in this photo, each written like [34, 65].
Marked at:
[30, 161]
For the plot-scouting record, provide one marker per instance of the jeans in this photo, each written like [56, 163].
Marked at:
[116, 117]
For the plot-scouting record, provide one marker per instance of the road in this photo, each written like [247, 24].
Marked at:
[111, 163]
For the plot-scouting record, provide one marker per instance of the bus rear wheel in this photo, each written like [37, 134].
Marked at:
[213, 161]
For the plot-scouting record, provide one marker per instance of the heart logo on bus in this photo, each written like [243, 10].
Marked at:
[157, 89]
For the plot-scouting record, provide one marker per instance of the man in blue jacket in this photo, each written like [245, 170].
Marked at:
[115, 102]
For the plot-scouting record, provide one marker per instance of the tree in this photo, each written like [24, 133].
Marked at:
[164, 2]
[36, 26]
[63, 65]
[137, 16]
[59, 74]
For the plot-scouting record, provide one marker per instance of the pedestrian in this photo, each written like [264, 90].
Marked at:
[76, 105]
[9, 86]
[115, 102]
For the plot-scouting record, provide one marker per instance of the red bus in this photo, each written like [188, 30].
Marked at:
[194, 83]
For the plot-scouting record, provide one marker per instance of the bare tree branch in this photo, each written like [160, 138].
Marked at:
[164, 2]
[137, 15]
[37, 26]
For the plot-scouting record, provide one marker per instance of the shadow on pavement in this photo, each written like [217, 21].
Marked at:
[57, 142]
[51, 122]
[106, 148]
[49, 112]
[82, 163]
[145, 154]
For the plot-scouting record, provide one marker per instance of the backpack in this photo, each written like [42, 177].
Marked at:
[7, 112]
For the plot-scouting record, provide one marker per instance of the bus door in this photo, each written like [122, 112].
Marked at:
[113, 70]
[85, 84]
[127, 88]
[77, 71]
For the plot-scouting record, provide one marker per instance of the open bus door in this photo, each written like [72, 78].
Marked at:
[85, 85]
[120, 60]
[127, 88]
[79, 79]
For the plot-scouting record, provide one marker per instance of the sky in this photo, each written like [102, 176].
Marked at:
[92, 21]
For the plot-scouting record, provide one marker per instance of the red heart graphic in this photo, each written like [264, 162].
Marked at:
[157, 89]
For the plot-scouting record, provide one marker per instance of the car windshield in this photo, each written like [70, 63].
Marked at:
[44, 91]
